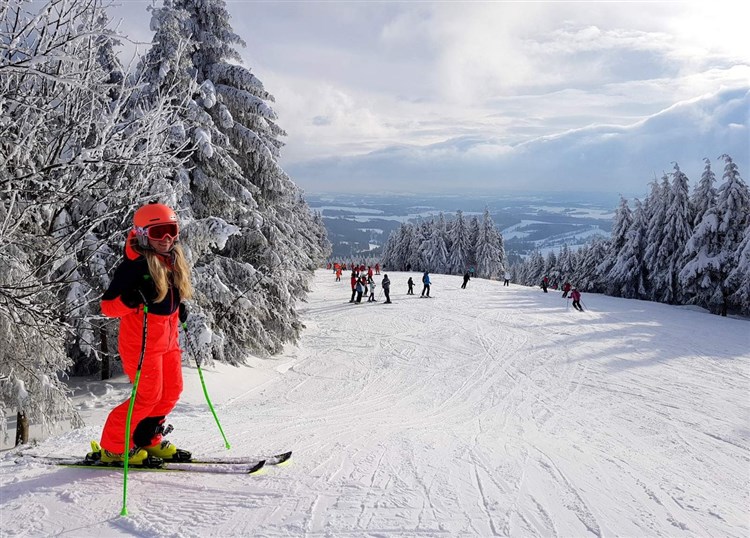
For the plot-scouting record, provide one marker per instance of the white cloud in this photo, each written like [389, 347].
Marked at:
[597, 158]
[457, 82]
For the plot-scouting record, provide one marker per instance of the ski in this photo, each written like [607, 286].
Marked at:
[278, 459]
[248, 467]
[247, 464]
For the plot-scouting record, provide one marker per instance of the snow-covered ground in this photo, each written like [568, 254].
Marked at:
[489, 411]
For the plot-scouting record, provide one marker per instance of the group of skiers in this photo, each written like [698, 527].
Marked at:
[567, 288]
[362, 283]
[339, 268]
[425, 285]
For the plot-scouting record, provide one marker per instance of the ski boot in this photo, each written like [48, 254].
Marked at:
[168, 452]
[137, 457]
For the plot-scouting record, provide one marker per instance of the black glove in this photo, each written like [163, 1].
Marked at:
[132, 298]
[183, 313]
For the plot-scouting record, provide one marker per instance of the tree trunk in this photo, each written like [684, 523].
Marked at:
[22, 428]
[106, 374]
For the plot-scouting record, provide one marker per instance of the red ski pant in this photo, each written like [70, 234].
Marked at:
[160, 383]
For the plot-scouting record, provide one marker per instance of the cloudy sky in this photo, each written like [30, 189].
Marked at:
[497, 96]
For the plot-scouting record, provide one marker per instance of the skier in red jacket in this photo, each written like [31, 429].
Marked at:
[576, 296]
[566, 289]
[354, 286]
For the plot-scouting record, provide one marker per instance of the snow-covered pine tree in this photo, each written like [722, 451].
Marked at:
[711, 251]
[620, 225]
[459, 237]
[704, 194]
[739, 277]
[501, 253]
[421, 234]
[489, 256]
[628, 274]
[536, 269]
[471, 255]
[676, 231]
[397, 250]
[252, 238]
[433, 250]
[388, 256]
[587, 276]
[657, 203]
[72, 155]
[551, 270]
[565, 263]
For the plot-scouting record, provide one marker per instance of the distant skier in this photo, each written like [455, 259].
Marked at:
[410, 283]
[506, 282]
[426, 282]
[566, 289]
[377, 268]
[386, 283]
[466, 280]
[359, 288]
[545, 283]
[576, 296]
[354, 281]
[371, 283]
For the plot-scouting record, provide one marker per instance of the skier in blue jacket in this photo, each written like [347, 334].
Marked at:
[426, 282]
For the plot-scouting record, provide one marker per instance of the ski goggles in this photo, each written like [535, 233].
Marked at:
[160, 232]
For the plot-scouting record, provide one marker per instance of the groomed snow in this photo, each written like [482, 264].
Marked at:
[489, 411]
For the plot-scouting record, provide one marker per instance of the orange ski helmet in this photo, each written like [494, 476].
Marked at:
[155, 221]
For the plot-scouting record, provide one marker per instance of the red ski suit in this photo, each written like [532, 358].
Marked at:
[160, 384]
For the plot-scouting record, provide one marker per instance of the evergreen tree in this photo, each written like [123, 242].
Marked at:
[416, 258]
[657, 203]
[704, 195]
[550, 268]
[588, 275]
[459, 238]
[739, 277]
[252, 238]
[395, 251]
[536, 269]
[711, 251]
[489, 254]
[565, 264]
[75, 159]
[628, 275]
[622, 221]
[676, 231]
[471, 254]
[433, 250]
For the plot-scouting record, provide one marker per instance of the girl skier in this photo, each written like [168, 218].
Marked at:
[155, 271]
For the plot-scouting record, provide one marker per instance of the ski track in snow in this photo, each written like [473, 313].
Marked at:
[489, 411]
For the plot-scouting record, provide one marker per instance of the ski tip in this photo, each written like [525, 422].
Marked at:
[257, 467]
[282, 458]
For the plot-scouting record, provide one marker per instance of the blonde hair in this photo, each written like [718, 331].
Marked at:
[160, 272]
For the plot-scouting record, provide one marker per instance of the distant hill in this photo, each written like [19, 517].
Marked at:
[359, 225]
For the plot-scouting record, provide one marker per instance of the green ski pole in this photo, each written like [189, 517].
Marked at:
[203, 384]
[124, 511]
